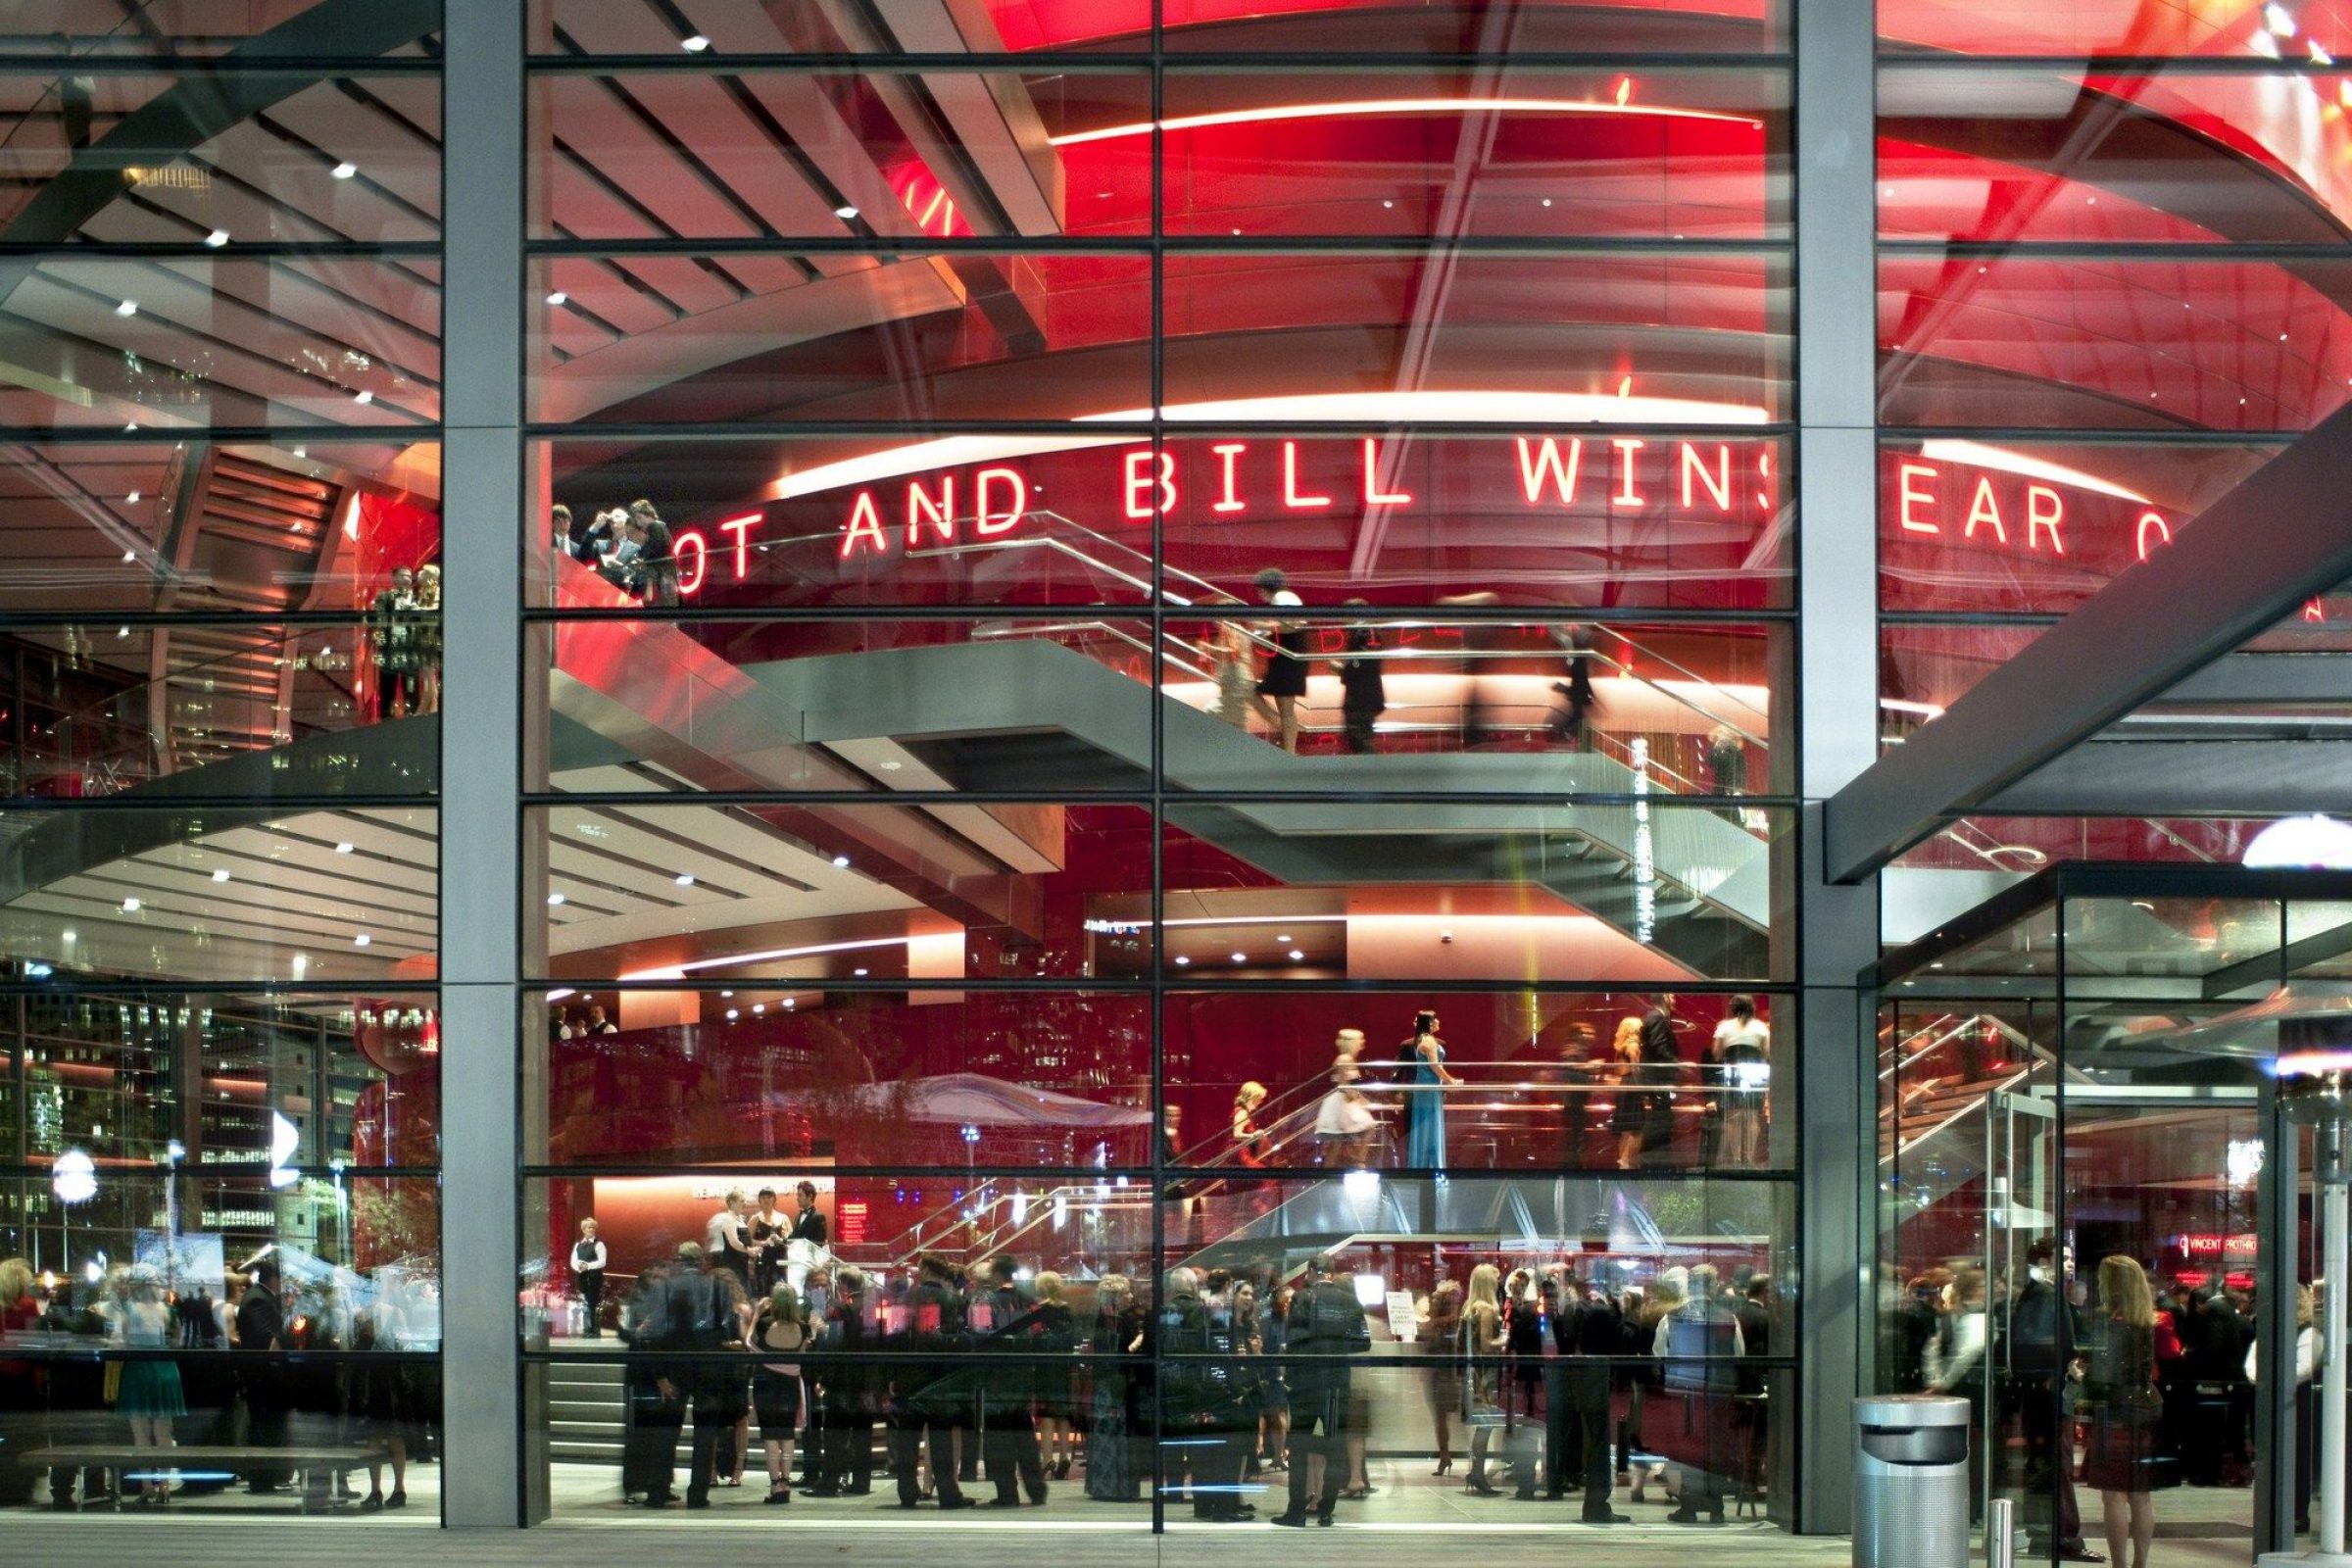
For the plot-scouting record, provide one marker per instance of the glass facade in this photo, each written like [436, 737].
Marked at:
[1172, 666]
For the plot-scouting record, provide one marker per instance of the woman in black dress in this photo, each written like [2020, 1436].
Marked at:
[1284, 679]
[2124, 1411]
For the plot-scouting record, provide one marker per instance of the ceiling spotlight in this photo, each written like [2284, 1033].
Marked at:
[559, 297]
[128, 308]
[790, 1003]
[733, 1015]
[121, 632]
[217, 238]
[841, 862]
[724, 995]
[363, 397]
[1297, 955]
[760, 1007]
[1285, 937]
[344, 171]
[130, 556]
[1241, 957]
[221, 875]
[555, 900]
[693, 43]
[362, 939]
[859, 973]
[342, 849]
[1181, 961]
[130, 906]
[685, 879]
[845, 214]
[131, 500]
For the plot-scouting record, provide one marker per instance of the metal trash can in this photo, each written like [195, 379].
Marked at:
[1911, 1481]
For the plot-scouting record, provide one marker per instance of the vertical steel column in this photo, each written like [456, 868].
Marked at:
[1837, 698]
[481, 774]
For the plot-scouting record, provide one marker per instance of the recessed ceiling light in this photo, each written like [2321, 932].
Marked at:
[130, 556]
[121, 632]
[1297, 955]
[221, 875]
[217, 238]
[342, 849]
[841, 862]
[760, 1007]
[685, 879]
[1241, 957]
[845, 214]
[733, 1015]
[362, 939]
[132, 428]
[1181, 961]
[345, 171]
[693, 43]
[132, 499]
[128, 308]
[790, 1003]
[130, 906]
[1285, 937]
[559, 297]
[363, 397]
[553, 899]
[859, 973]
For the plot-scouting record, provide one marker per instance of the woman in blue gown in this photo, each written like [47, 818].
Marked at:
[1425, 1122]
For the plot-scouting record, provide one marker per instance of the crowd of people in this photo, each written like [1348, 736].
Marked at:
[2114, 1385]
[1220, 1385]
[630, 547]
[1642, 1072]
[330, 1416]
[404, 643]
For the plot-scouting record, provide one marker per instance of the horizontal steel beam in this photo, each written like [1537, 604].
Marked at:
[2184, 778]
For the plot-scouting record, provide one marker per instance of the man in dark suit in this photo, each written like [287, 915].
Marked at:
[1585, 1330]
[261, 1325]
[1661, 1069]
[2042, 1331]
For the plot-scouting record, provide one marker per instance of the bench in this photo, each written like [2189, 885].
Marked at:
[115, 1457]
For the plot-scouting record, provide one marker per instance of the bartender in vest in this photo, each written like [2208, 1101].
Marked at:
[807, 1244]
[588, 1273]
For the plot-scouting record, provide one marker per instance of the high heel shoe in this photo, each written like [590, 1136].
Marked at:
[1444, 1467]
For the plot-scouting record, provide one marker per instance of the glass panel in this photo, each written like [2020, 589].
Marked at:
[2198, 948]
[1125, 27]
[161, 344]
[928, 892]
[237, 710]
[835, 156]
[221, 894]
[838, 705]
[2052, 343]
[2079, 27]
[832, 336]
[1617, 708]
[189, 526]
[1484, 336]
[1628, 520]
[100, 28]
[1669, 155]
[2035, 526]
[806, 1073]
[255, 156]
[229, 1085]
[2158, 157]
[1544, 1081]
[2029, 843]
[1642, 894]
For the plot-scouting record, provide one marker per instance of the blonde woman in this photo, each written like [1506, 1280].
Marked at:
[1629, 1116]
[424, 640]
[149, 1396]
[2122, 1409]
[1483, 1343]
[1251, 1146]
[1056, 1335]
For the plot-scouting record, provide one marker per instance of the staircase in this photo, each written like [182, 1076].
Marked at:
[584, 1410]
[248, 539]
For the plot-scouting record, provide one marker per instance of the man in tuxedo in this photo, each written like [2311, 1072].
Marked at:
[2043, 1329]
